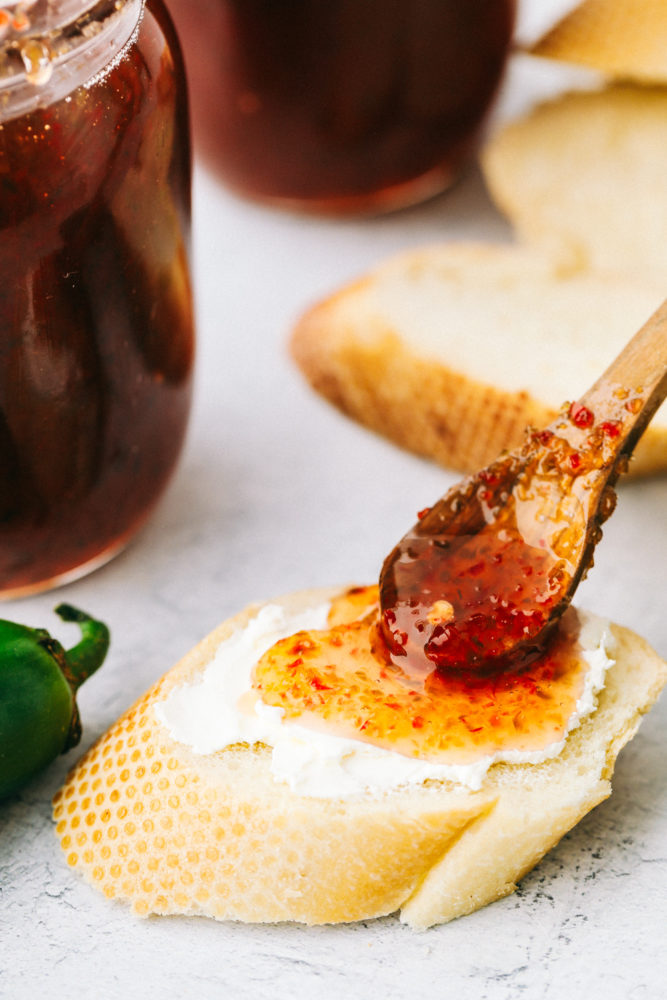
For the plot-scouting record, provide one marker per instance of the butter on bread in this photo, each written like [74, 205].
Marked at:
[623, 40]
[452, 350]
[149, 822]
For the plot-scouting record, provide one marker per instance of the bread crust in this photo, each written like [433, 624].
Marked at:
[623, 40]
[151, 823]
[355, 354]
[422, 406]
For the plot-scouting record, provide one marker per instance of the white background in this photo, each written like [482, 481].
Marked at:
[277, 491]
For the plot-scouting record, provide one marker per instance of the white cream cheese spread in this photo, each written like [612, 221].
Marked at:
[207, 716]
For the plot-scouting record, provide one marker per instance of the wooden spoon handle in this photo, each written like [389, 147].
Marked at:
[635, 384]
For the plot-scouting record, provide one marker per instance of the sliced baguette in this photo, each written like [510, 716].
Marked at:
[453, 350]
[582, 178]
[623, 40]
[149, 822]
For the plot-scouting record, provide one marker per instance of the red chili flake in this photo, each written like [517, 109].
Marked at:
[529, 683]
[612, 428]
[417, 722]
[393, 704]
[319, 685]
[302, 646]
[20, 21]
[471, 729]
[575, 461]
[422, 513]
[581, 416]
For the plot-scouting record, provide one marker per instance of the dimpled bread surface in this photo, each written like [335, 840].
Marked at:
[170, 831]
[149, 822]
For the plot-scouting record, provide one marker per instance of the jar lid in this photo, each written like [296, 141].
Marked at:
[39, 16]
[49, 47]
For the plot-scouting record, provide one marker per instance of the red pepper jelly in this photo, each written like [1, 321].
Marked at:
[96, 321]
[460, 601]
[341, 105]
[339, 682]
[477, 585]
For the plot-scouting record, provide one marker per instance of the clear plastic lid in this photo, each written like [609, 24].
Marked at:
[39, 16]
[50, 47]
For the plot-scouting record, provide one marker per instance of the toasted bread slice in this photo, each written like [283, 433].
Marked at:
[581, 177]
[623, 40]
[453, 350]
[148, 821]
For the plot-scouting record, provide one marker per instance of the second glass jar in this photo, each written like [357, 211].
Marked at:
[341, 105]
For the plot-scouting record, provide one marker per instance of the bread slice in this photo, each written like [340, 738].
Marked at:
[451, 351]
[623, 40]
[582, 178]
[149, 822]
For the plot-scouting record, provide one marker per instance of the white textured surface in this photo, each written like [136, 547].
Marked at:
[276, 492]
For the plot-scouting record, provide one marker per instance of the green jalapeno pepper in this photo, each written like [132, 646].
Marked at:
[39, 718]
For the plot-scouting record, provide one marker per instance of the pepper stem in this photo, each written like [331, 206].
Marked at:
[83, 659]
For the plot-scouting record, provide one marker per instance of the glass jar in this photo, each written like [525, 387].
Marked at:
[96, 318]
[341, 105]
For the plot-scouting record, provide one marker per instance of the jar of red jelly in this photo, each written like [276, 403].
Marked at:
[341, 105]
[96, 319]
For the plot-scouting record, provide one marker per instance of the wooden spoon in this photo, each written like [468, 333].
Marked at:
[482, 578]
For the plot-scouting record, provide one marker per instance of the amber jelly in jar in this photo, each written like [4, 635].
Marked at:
[341, 106]
[96, 320]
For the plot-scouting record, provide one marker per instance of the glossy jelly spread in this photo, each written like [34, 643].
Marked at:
[422, 668]
[309, 754]
[341, 680]
[469, 649]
